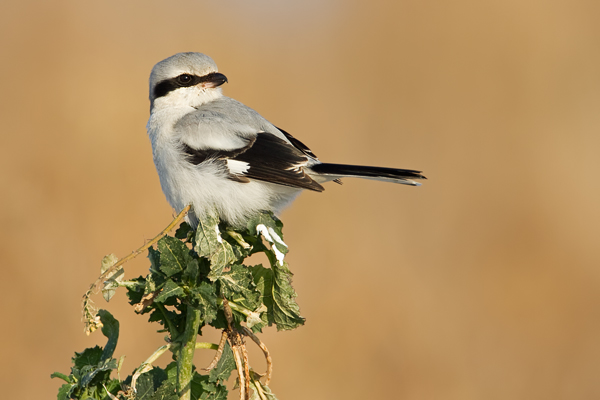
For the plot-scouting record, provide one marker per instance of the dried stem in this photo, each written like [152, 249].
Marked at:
[147, 365]
[240, 370]
[219, 352]
[262, 346]
[239, 352]
[93, 287]
[242, 350]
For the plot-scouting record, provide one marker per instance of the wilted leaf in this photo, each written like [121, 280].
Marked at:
[112, 283]
[265, 391]
[107, 262]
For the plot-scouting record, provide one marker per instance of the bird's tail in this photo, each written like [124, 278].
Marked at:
[337, 171]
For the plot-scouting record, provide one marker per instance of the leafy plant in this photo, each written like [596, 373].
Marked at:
[196, 279]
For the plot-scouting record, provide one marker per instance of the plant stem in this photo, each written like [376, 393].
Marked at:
[207, 345]
[86, 298]
[185, 359]
[147, 365]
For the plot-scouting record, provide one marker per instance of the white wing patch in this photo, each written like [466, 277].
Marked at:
[237, 167]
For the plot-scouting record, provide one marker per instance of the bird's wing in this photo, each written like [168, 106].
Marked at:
[245, 148]
[298, 144]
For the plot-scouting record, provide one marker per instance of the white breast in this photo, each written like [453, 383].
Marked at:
[207, 186]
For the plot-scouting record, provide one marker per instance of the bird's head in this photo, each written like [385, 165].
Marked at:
[185, 79]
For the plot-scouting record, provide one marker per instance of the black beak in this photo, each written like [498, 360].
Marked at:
[213, 80]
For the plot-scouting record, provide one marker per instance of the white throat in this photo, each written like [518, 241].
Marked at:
[186, 97]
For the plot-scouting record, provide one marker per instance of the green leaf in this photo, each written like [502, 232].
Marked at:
[174, 255]
[166, 391]
[204, 298]
[263, 279]
[151, 285]
[226, 364]
[208, 237]
[237, 285]
[110, 329]
[184, 232]
[113, 387]
[149, 382]
[61, 376]
[210, 245]
[256, 385]
[90, 373]
[191, 273]
[171, 371]
[221, 260]
[135, 293]
[88, 357]
[154, 257]
[169, 290]
[64, 392]
[202, 389]
[286, 312]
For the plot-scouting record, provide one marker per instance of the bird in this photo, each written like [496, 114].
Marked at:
[224, 158]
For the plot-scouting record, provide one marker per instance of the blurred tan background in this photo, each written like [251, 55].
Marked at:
[481, 284]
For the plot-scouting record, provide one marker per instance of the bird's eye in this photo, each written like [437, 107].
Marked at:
[184, 78]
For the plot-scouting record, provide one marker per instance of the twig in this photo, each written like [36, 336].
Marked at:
[242, 349]
[206, 345]
[262, 346]
[241, 374]
[219, 352]
[93, 287]
[147, 365]
[237, 345]
[228, 314]
[110, 395]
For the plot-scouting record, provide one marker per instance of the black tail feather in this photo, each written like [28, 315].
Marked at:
[367, 172]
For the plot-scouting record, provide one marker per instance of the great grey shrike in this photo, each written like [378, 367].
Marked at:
[222, 157]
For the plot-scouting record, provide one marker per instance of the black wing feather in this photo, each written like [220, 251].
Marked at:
[270, 159]
[298, 144]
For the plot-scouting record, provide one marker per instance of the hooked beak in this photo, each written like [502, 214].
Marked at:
[213, 80]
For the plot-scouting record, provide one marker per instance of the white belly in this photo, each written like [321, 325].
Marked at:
[206, 186]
